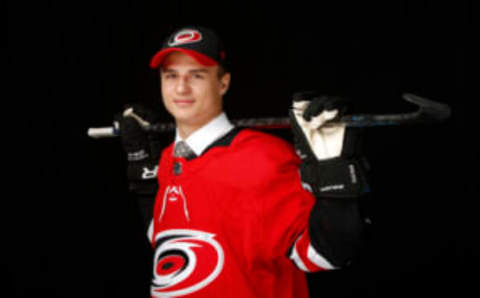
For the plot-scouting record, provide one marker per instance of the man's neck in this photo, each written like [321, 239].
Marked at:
[186, 129]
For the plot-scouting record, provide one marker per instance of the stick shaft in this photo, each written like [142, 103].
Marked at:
[261, 123]
[272, 123]
[429, 112]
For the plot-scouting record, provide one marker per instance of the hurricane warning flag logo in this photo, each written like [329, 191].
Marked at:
[185, 261]
[184, 37]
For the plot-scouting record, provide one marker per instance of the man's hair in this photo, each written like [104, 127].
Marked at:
[221, 71]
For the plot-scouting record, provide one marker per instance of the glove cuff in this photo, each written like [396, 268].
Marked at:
[336, 177]
[142, 177]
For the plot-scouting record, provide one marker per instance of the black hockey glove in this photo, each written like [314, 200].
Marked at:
[332, 162]
[142, 148]
[334, 170]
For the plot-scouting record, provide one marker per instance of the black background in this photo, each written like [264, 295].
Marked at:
[72, 230]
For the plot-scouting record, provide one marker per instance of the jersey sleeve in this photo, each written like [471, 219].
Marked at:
[285, 208]
[306, 257]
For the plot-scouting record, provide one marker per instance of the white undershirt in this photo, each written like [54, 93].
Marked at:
[203, 137]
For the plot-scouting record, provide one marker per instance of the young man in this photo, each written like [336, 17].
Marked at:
[233, 215]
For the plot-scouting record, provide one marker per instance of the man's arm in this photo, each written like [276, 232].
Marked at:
[335, 171]
[143, 150]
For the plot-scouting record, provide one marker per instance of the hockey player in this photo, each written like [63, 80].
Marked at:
[238, 212]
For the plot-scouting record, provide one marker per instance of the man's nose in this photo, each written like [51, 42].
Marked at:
[183, 85]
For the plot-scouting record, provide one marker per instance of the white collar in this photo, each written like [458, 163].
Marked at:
[207, 134]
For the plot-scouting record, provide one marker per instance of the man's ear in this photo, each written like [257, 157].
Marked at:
[225, 83]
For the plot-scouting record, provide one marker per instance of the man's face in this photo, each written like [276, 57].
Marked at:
[191, 92]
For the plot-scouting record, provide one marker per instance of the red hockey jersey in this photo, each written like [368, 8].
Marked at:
[233, 222]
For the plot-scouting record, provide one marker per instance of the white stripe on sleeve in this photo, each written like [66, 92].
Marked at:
[150, 231]
[317, 259]
[296, 258]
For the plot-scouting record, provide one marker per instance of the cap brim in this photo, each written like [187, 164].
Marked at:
[158, 58]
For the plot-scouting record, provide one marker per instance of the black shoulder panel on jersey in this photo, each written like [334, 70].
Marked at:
[225, 140]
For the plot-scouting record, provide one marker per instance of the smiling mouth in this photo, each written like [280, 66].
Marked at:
[183, 102]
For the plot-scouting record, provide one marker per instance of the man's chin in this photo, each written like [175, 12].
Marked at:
[186, 120]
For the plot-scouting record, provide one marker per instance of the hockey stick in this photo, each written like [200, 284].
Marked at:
[428, 112]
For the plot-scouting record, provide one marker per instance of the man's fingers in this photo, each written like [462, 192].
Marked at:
[334, 103]
[318, 121]
[131, 113]
[313, 109]
[324, 104]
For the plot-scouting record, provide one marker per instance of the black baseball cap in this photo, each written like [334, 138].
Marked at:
[201, 43]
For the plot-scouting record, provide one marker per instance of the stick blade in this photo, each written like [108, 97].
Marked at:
[431, 111]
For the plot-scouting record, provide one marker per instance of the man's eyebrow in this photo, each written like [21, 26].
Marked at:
[202, 70]
[199, 70]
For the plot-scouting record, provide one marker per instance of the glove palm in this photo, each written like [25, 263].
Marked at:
[329, 150]
[314, 114]
[142, 148]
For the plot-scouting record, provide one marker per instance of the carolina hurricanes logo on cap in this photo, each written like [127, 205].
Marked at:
[184, 37]
[185, 261]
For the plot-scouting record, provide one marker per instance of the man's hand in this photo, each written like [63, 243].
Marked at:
[332, 162]
[142, 148]
[312, 113]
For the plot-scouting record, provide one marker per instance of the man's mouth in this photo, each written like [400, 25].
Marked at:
[183, 102]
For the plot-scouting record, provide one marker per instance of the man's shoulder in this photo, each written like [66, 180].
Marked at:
[259, 141]
[261, 149]
[260, 158]
[167, 151]
[252, 159]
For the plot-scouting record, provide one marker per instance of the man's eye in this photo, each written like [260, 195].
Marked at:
[170, 76]
[198, 76]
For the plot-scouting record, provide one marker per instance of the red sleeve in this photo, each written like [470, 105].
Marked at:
[305, 257]
[284, 207]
